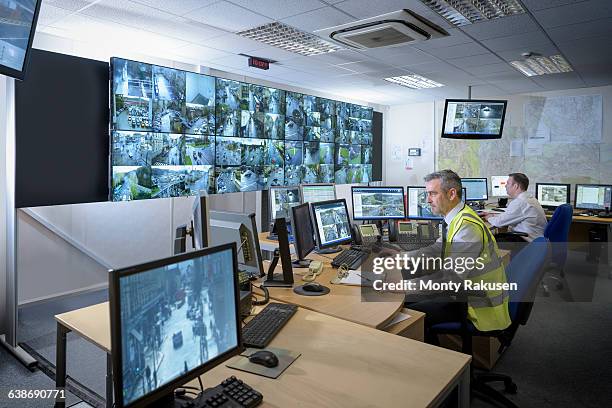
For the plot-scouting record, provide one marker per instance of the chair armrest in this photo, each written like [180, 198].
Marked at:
[512, 234]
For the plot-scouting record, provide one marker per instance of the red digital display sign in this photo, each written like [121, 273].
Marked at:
[259, 63]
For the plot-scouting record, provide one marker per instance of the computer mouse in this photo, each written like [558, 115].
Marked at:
[312, 287]
[264, 358]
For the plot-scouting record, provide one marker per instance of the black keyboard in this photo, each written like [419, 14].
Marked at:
[352, 258]
[231, 393]
[260, 331]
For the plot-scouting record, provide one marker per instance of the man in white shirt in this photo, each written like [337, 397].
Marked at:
[524, 213]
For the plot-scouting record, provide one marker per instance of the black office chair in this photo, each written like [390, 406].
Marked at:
[526, 269]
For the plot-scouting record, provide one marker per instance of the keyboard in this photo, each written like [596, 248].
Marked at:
[352, 258]
[260, 331]
[231, 393]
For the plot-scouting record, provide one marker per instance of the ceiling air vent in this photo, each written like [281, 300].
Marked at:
[388, 30]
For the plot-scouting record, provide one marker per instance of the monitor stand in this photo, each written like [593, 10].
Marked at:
[330, 250]
[301, 263]
[283, 255]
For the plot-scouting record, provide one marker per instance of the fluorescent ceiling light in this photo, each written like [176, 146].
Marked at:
[289, 39]
[414, 81]
[539, 65]
[464, 12]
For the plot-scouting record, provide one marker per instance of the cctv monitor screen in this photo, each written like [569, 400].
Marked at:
[476, 189]
[552, 195]
[332, 224]
[281, 201]
[17, 26]
[418, 207]
[171, 320]
[313, 193]
[378, 203]
[303, 232]
[498, 186]
[473, 119]
[593, 196]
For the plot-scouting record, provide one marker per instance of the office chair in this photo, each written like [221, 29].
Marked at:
[557, 231]
[526, 270]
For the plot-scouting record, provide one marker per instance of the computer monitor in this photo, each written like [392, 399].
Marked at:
[313, 193]
[593, 197]
[476, 189]
[418, 207]
[498, 186]
[303, 234]
[201, 223]
[552, 195]
[281, 201]
[240, 228]
[332, 226]
[17, 27]
[172, 320]
[473, 119]
[378, 203]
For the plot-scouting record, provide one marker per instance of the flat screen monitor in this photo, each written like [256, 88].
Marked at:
[312, 193]
[201, 223]
[552, 195]
[281, 201]
[473, 119]
[418, 207]
[303, 233]
[498, 186]
[593, 197]
[476, 189]
[17, 26]
[378, 203]
[332, 226]
[172, 320]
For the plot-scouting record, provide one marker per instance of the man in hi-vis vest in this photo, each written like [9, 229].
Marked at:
[481, 280]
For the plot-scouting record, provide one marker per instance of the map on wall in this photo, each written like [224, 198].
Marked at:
[561, 140]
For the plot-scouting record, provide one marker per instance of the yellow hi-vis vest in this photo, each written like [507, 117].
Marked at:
[490, 312]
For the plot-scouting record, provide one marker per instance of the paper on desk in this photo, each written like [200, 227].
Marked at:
[400, 317]
[353, 278]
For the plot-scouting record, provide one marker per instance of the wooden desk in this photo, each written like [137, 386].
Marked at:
[342, 364]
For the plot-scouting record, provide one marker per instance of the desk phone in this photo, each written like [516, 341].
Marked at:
[367, 234]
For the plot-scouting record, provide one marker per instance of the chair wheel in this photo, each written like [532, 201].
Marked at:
[510, 388]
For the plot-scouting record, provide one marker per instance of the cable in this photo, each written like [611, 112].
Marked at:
[266, 296]
[200, 381]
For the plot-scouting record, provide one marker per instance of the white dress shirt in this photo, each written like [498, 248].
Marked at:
[524, 214]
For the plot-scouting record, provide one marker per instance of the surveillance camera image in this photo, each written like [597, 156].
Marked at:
[274, 126]
[310, 104]
[327, 135]
[342, 137]
[293, 175]
[252, 124]
[282, 199]
[253, 151]
[227, 179]
[168, 116]
[313, 133]
[274, 153]
[311, 153]
[264, 99]
[251, 178]
[294, 153]
[326, 173]
[132, 113]
[131, 78]
[173, 319]
[474, 117]
[294, 116]
[326, 153]
[135, 148]
[382, 204]
[333, 222]
[200, 104]
[231, 98]
[366, 153]
[199, 150]
[174, 181]
[273, 176]
[228, 151]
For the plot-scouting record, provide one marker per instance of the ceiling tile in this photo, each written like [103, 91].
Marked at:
[574, 13]
[279, 9]
[595, 74]
[564, 80]
[201, 53]
[516, 41]
[318, 19]
[474, 60]
[50, 14]
[595, 28]
[273, 53]
[518, 86]
[503, 76]
[455, 37]
[334, 58]
[365, 66]
[233, 43]
[178, 7]
[485, 90]
[542, 49]
[228, 16]
[72, 5]
[589, 51]
[533, 5]
[366, 8]
[410, 58]
[127, 13]
[187, 30]
[491, 69]
[502, 27]
[388, 73]
[458, 51]
[429, 67]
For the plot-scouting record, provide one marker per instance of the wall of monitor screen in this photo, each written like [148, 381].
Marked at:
[179, 133]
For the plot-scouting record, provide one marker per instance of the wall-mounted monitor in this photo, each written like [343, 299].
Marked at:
[552, 195]
[476, 189]
[17, 26]
[473, 119]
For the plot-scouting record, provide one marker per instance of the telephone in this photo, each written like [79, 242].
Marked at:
[410, 233]
[366, 234]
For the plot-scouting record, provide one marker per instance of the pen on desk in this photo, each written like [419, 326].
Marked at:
[363, 277]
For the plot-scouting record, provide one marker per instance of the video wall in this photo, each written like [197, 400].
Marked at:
[178, 133]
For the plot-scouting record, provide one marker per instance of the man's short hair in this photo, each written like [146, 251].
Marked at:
[520, 179]
[449, 178]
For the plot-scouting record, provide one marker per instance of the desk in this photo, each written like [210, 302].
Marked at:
[342, 364]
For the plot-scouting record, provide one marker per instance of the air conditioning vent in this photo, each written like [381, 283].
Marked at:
[388, 30]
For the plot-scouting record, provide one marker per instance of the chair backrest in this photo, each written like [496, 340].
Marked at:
[557, 231]
[526, 270]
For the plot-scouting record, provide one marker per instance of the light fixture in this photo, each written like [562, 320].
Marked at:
[464, 12]
[534, 65]
[289, 39]
[414, 81]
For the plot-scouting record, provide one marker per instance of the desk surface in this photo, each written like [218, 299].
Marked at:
[342, 363]
[587, 219]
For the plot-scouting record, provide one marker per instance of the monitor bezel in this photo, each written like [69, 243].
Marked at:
[317, 235]
[486, 188]
[473, 136]
[552, 207]
[20, 74]
[296, 237]
[116, 335]
[587, 185]
[271, 202]
[376, 218]
[316, 185]
[408, 216]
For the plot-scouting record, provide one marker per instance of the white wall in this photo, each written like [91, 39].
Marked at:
[2, 203]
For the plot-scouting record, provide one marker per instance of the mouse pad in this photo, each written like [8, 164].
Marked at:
[285, 359]
[300, 291]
